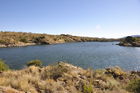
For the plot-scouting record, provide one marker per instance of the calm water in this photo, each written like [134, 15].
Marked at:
[88, 54]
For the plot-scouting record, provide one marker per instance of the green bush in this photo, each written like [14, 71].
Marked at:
[3, 66]
[88, 88]
[134, 86]
[34, 63]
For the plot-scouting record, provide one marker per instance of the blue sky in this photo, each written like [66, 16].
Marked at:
[95, 18]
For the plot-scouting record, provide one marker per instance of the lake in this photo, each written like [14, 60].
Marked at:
[85, 54]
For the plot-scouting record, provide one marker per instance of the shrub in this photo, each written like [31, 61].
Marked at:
[3, 66]
[40, 40]
[88, 88]
[55, 71]
[130, 39]
[134, 86]
[34, 63]
[23, 39]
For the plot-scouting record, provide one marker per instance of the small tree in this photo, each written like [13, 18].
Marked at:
[3, 66]
[40, 40]
[34, 63]
[130, 39]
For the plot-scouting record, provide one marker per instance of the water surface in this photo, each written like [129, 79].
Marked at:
[86, 54]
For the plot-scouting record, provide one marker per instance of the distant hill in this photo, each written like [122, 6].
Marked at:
[135, 35]
[131, 36]
[10, 39]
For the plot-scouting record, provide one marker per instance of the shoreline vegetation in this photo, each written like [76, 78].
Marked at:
[15, 39]
[66, 78]
[130, 41]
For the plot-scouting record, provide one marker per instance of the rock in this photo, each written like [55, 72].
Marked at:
[116, 72]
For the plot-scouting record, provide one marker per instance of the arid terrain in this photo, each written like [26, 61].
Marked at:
[11, 39]
[66, 78]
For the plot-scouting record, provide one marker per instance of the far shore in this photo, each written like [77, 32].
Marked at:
[17, 39]
[34, 44]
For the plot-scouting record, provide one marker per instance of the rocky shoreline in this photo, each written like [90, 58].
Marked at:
[133, 44]
[16, 45]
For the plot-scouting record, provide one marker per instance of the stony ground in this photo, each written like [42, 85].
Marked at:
[66, 78]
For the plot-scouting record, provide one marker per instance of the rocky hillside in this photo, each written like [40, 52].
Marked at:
[9, 39]
[66, 78]
[130, 41]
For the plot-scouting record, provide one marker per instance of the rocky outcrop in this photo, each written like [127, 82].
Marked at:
[130, 41]
[65, 78]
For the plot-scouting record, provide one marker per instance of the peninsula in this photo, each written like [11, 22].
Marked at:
[130, 41]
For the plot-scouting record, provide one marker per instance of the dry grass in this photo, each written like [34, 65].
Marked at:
[20, 38]
[62, 78]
